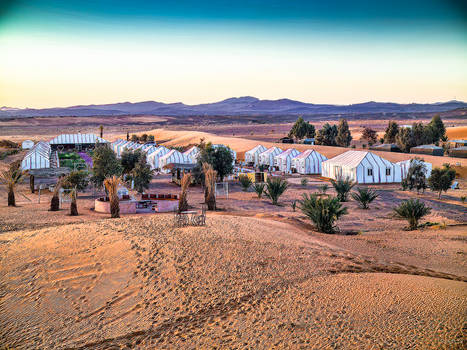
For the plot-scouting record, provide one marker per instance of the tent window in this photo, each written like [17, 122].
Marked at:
[370, 172]
[388, 171]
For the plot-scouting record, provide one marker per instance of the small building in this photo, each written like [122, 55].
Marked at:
[283, 161]
[386, 147]
[457, 143]
[154, 154]
[286, 139]
[362, 167]
[406, 164]
[192, 153]
[38, 157]
[75, 141]
[309, 141]
[252, 156]
[173, 157]
[267, 157]
[308, 162]
[27, 144]
[432, 150]
[459, 152]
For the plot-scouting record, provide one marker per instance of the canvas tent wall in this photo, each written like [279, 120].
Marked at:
[154, 155]
[75, 141]
[362, 167]
[38, 157]
[173, 156]
[284, 160]
[405, 166]
[267, 157]
[252, 156]
[308, 162]
[114, 145]
[192, 153]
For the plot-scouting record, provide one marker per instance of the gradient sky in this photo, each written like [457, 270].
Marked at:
[60, 53]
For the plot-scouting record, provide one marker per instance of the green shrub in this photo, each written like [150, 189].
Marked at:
[364, 196]
[412, 210]
[304, 182]
[323, 188]
[463, 199]
[322, 211]
[294, 205]
[275, 187]
[342, 187]
[245, 182]
[259, 188]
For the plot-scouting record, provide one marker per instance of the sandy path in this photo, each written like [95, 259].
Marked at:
[239, 282]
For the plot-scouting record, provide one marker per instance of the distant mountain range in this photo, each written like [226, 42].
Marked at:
[237, 106]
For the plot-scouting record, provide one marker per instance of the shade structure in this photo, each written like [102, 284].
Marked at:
[76, 139]
[38, 157]
[406, 164]
[362, 167]
[127, 145]
[173, 156]
[192, 153]
[283, 161]
[428, 149]
[267, 157]
[252, 156]
[154, 154]
[459, 152]
[115, 145]
[308, 162]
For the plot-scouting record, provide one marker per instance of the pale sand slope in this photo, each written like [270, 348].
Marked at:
[240, 145]
[238, 283]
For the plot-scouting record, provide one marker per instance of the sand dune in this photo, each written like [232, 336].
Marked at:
[238, 283]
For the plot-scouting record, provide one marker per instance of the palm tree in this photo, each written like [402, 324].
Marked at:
[73, 205]
[259, 188]
[412, 210]
[342, 187]
[323, 211]
[210, 176]
[111, 185]
[10, 178]
[55, 201]
[275, 187]
[364, 196]
[182, 201]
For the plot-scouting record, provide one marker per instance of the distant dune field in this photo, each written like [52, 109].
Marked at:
[457, 132]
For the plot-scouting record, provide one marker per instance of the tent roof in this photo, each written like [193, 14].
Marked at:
[272, 150]
[256, 149]
[307, 154]
[288, 152]
[67, 139]
[352, 159]
[427, 147]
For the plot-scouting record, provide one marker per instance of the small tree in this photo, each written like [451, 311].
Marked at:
[326, 136]
[405, 140]
[111, 185]
[343, 137]
[134, 138]
[342, 187]
[416, 176]
[391, 132]
[183, 200]
[370, 135]
[364, 196]
[55, 201]
[323, 211]
[77, 179]
[73, 205]
[101, 130]
[245, 182]
[105, 164]
[441, 179]
[302, 129]
[412, 210]
[127, 136]
[141, 175]
[438, 130]
[129, 159]
[259, 188]
[10, 178]
[220, 158]
[275, 187]
[150, 138]
[210, 176]
[144, 138]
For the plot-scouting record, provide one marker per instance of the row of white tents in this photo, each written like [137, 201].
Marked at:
[359, 166]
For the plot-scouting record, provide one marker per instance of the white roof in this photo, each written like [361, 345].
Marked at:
[258, 148]
[308, 153]
[351, 159]
[273, 150]
[69, 139]
[191, 150]
[38, 157]
[292, 152]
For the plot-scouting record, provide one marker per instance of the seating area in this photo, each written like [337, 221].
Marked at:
[158, 202]
[150, 196]
[190, 217]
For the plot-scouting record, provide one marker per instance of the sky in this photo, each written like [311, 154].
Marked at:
[61, 53]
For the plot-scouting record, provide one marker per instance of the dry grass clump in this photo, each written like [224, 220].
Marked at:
[183, 201]
[111, 185]
[55, 201]
[73, 205]
[10, 178]
[210, 176]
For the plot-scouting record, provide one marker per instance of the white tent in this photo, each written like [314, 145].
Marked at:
[252, 156]
[37, 157]
[405, 166]
[284, 160]
[234, 154]
[308, 162]
[173, 156]
[192, 153]
[114, 145]
[267, 157]
[362, 167]
[27, 144]
[76, 139]
[154, 155]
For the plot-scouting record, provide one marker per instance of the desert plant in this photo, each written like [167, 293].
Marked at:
[210, 176]
[412, 210]
[183, 201]
[416, 177]
[342, 187]
[463, 198]
[78, 179]
[55, 201]
[141, 175]
[304, 182]
[245, 182]
[111, 185]
[275, 187]
[364, 196]
[10, 178]
[73, 205]
[441, 179]
[293, 205]
[323, 211]
[259, 188]
[323, 188]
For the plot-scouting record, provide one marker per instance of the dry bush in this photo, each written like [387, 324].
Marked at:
[111, 185]
[183, 201]
[210, 176]
[55, 201]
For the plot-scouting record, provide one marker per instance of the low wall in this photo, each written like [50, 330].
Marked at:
[126, 207]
